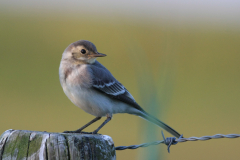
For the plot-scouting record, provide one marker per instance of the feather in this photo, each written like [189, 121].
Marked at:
[104, 82]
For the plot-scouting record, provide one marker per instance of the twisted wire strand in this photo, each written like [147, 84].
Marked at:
[204, 138]
[137, 146]
[174, 141]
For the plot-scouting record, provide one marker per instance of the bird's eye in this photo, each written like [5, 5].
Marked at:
[83, 51]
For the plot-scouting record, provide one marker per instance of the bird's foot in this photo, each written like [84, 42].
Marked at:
[81, 132]
[94, 132]
[86, 132]
[71, 132]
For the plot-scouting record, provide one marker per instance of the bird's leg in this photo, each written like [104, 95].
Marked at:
[109, 117]
[85, 126]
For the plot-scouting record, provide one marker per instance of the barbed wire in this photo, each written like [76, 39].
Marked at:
[173, 140]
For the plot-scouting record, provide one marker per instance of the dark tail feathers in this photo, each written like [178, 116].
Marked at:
[154, 120]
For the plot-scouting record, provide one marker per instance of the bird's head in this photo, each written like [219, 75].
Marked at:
[81, 51]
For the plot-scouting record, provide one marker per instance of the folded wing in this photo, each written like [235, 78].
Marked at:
[104, 81]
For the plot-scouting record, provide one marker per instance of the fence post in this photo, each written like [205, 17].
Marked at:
[34, 145]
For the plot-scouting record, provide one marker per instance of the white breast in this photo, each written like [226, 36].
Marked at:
[78, 88]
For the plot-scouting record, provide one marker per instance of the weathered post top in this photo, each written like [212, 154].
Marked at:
[34, 145]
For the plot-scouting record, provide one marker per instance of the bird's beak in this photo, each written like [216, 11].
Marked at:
[98, 54]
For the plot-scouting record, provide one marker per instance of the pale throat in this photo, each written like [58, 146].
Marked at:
[89, 61]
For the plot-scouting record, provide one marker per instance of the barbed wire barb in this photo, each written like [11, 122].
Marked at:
[170, 141]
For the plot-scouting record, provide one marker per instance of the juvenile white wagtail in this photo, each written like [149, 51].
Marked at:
[91, 87]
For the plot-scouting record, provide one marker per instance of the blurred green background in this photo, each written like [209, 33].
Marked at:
[185, 74]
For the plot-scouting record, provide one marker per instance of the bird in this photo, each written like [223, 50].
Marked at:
[91, 86]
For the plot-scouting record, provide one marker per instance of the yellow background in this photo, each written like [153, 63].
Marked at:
[189, 77]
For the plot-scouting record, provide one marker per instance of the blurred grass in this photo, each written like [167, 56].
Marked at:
[192, 74]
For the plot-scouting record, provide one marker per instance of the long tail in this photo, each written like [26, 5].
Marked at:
[154, 120]
[140, 112]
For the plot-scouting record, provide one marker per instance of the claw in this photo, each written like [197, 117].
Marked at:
[71, 132]
[86, 132]
[67, 132]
